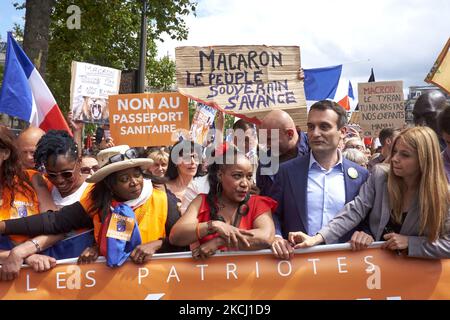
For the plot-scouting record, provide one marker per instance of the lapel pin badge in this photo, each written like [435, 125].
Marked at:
[352, 173]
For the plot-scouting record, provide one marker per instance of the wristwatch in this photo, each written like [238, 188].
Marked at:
[36, 244]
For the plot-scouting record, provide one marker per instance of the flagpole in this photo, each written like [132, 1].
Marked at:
[143, 49]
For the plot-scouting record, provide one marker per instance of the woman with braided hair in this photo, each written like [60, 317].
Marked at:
[228, 217]
[57, 153]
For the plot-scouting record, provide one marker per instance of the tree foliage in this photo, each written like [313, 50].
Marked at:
[109, 36]
[161, 73]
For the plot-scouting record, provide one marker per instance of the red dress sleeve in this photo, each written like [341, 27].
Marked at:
[257, 206]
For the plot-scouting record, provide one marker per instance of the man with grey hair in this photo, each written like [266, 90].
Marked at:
[283, 143]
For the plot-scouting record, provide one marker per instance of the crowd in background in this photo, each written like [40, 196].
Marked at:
[63, 197]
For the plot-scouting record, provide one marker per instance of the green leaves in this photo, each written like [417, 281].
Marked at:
[109, 36]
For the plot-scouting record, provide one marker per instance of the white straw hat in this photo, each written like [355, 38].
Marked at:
[106, 167]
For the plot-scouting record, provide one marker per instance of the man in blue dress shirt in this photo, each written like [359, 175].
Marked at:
[312, 189]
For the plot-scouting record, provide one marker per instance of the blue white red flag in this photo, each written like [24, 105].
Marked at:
[322, 83]
[345, 101]
[24, 93]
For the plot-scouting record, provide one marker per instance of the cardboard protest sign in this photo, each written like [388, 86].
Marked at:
[89, 90]
[247, 81]
[201, 122]
[140, 120]
[440, 72]
[381, 105]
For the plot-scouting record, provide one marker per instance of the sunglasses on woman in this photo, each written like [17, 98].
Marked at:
[129, 154]
[64, 174]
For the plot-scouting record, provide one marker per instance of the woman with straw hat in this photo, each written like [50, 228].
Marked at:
[130, 218]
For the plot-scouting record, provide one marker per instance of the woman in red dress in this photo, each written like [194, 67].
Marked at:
[228, 217]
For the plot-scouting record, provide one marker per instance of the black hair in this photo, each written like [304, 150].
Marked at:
[444, 120]
[216, 163]
[386, 133]
[242, 124]
[177, 151]
[102, 196]
[331, 105]
[53, 144]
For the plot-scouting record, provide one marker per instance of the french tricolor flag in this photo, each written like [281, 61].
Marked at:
[24, 93]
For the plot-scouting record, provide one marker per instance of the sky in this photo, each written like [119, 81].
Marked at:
[8, 16]
[399, 39]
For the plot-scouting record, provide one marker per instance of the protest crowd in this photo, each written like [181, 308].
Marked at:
[329, 188]
[267, 184]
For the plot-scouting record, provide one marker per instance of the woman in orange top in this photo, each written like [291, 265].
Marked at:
[22, 193]
[130, 218]
[227, 217]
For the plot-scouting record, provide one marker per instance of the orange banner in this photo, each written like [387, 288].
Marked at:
[141, 120]
[315, 273]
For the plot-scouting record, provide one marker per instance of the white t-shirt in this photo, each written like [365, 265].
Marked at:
[70, 199]
[198, 185]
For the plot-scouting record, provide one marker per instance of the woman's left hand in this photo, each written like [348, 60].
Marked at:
[206, 249]
[144, 251]
[395, 241]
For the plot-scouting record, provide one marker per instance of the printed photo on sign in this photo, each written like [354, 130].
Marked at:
[90, 87]
[201, 122]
